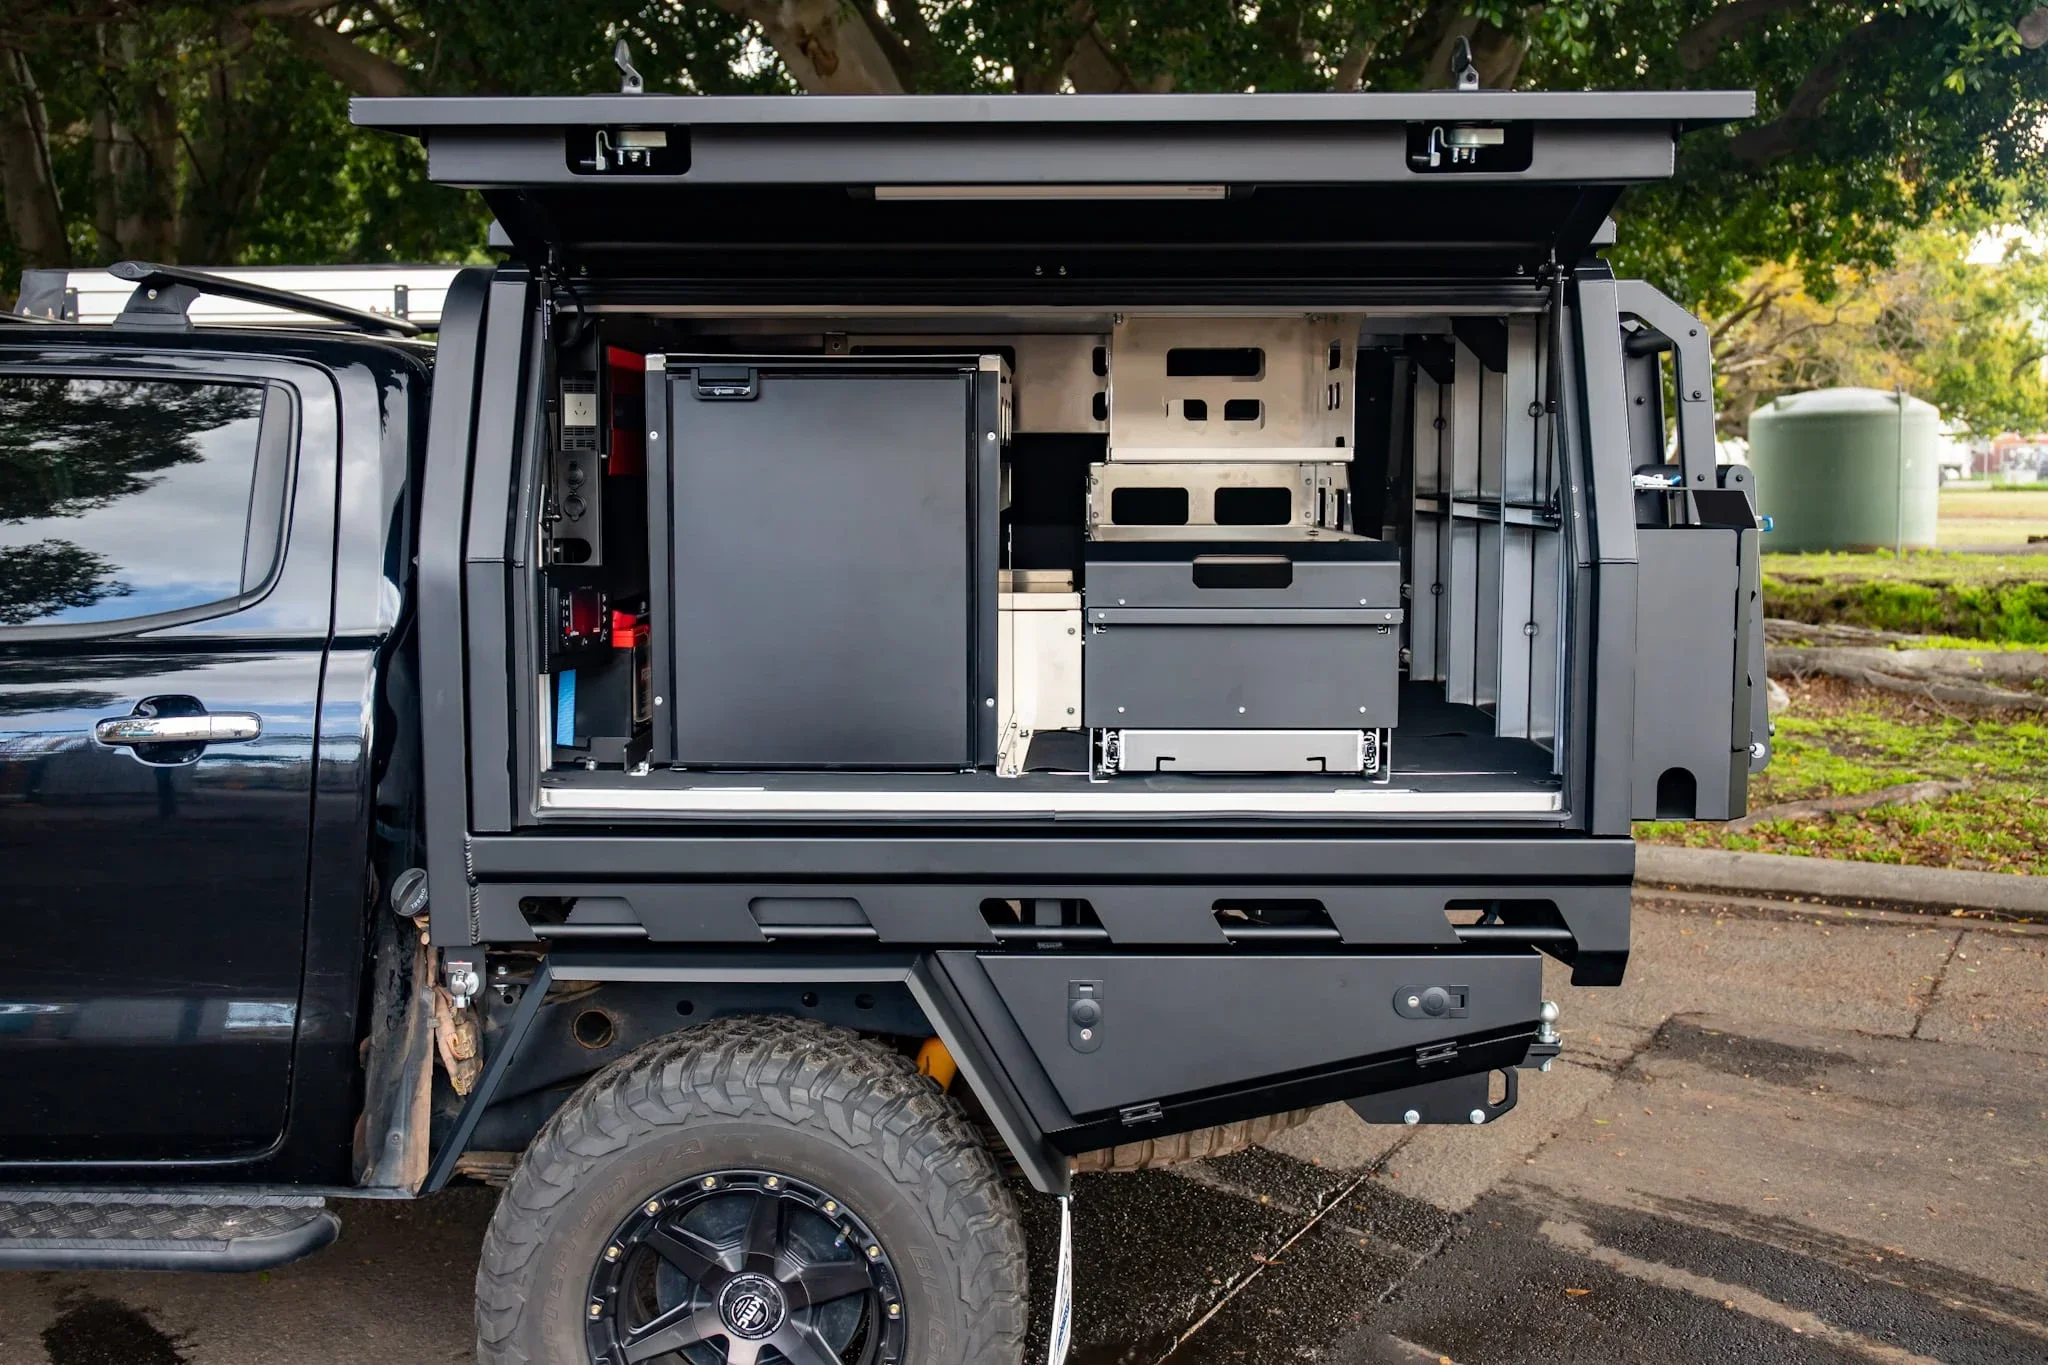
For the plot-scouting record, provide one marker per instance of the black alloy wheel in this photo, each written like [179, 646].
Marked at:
[887, 1235]
[744, 1267]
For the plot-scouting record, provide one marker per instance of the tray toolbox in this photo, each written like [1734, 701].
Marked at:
[1219, 635]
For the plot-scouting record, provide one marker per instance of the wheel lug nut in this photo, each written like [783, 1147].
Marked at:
[611, 1253]
[773, 1182]
[874, 1252]
[597, 1310]
[895, 1310]
[652, 1206]
[710, 1182]
[831, 1206]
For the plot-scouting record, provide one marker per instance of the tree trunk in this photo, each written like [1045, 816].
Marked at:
[1094, 68]
[230, 150]
[35, 213]
[356, 67]
[1351, 70]
[1955, 676]
[1697, 49]
[1762, 143]
[824, 45]
[1905, 794]
[134, 169]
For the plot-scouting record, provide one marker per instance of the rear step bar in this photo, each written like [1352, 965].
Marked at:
[58, 1229]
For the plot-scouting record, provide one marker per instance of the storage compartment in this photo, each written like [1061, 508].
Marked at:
[960, 566]
[595, 640]
[1220, 635]
[1223, 670]
[1158, 1044]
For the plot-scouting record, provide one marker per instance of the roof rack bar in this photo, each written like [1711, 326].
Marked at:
[164, 292]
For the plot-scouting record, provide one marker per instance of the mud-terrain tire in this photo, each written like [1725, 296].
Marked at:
[819, 1104]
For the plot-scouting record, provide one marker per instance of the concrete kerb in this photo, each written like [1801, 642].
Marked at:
[1930, 888]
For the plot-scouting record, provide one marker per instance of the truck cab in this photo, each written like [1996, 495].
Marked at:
[1072, 627]
[206, 546]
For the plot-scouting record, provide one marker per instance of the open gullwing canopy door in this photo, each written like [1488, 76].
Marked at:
[971, 458]
[1112, 191]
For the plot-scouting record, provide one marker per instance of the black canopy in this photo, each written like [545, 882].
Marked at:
[1061, 188]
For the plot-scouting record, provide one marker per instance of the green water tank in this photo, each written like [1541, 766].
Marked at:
[1847, 469]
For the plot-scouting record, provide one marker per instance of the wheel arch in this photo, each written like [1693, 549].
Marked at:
[809, 986]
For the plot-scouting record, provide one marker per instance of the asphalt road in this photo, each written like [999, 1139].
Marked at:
[1786, 1139]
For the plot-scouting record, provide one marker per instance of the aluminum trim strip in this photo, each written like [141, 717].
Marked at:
[1651, 108]
[1097, 800]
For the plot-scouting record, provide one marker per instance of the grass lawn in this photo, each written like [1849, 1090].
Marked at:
[1980, 516]
[1840, 740]
[1992, 597]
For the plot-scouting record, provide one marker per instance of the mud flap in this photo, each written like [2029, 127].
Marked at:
[1063, 1289]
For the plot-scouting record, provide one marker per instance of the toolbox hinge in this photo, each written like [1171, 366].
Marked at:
[1430, 1053]
[1147, 1112]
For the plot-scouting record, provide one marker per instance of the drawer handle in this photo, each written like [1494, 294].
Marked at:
[1243, 571]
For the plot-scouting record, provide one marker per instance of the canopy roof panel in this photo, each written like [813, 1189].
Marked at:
[1492, 179]
[421, 114]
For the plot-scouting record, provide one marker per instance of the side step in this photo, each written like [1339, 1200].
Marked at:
[55, 1229]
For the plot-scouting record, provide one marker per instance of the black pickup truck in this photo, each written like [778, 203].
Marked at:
[890, 644]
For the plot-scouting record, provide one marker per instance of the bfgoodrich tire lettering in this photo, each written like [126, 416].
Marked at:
[817, 1103]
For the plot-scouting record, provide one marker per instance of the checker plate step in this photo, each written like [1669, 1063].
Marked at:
[57, 1229]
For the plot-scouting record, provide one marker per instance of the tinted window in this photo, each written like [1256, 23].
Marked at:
[122, 497]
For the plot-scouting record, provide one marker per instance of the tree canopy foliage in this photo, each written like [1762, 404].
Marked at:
[1959, 318]
[210, 131]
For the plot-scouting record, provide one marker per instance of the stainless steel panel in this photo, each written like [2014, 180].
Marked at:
[1308, 487]
[1056, 381]
[1243, 751]
[1304, 403]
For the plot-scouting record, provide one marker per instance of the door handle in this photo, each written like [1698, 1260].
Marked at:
[221, 727]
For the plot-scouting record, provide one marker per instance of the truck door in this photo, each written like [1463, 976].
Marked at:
[166, 545]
